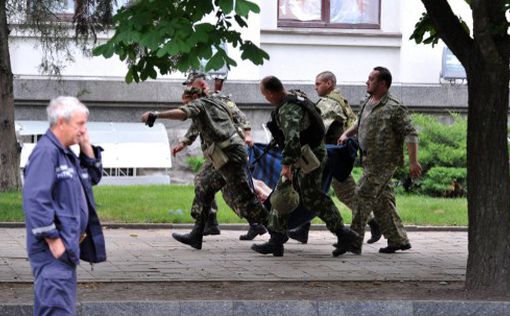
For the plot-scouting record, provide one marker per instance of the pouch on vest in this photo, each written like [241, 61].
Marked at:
[308, 161]
[216, 156]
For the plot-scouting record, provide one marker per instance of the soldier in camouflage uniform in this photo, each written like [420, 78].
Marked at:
[383, 127]
[337, 116]
[207, 173]
[295, 120]
[213, 120]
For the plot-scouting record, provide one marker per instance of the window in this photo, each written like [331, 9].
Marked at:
[66, 7]
[329, 13]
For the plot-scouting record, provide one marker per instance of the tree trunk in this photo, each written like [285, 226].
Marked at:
[488, 267]
[9, 153]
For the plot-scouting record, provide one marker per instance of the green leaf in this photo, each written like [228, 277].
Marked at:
[243, 7]
[240, 21]
[253, 53]
[216, 62]
[129, 76]
[226, 5]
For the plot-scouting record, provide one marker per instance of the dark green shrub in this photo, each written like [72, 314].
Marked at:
[444, 182]
[195, 162]
[441, 145]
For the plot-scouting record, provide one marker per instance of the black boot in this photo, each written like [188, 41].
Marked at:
[300, 233]
[346, 242]
[193, 238]
[375, 230]
[273, 246]
[255, 230]
[212, 227]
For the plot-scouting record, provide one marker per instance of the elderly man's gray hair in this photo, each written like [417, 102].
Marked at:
[64, 107]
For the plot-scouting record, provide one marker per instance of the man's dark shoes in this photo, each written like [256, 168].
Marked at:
[212, 227]
[375, 230]
[346, 241]
[254, 231]
[300, 233]
[273, 246]
[392, 249]
[346, 248]
[193, 238]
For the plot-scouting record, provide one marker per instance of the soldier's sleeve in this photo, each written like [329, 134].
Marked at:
[192, 109]
[238, 116]
[38, 201]
[290, 116]
[191, 135]
[403, 125]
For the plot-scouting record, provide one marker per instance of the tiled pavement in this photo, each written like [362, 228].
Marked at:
[152, 255]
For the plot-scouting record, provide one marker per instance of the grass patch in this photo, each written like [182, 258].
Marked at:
[171, 204]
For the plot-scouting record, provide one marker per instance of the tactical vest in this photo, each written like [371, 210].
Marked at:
[312, 135]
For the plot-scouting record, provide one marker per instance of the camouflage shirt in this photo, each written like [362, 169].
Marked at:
[292, 119]
[214, 124]
[238, 117]
[336, 114]
[382, 129]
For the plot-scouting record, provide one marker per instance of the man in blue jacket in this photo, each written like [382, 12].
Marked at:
[61, 220]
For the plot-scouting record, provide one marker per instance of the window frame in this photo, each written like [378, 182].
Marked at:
[325, 18]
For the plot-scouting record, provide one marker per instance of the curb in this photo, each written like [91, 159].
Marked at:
[410, 228]
[280, 307]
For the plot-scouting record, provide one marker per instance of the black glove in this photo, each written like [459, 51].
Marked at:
[151, 119]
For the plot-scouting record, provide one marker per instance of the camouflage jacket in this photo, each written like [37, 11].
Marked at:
[336, 114]
[239, 119]
[292, 119]
[214, 125]
[382, 132]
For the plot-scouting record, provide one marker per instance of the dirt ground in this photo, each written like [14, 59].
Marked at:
[154, 291]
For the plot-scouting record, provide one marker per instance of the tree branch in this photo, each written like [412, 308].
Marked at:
[484, 27]
[449, 28]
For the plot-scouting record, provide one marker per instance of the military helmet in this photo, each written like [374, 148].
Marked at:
[284, 199]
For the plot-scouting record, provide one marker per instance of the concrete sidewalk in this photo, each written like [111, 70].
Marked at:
[142, 255]
[153, 255]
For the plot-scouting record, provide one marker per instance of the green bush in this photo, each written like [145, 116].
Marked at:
[444, 182]
[195, 162]
[442, 146]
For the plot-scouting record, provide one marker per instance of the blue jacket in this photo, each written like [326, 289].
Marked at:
[53, 177]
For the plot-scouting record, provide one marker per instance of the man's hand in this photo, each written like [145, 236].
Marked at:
[248, 140]
[414, 170]
[149, 118]
[178, 148]
[342, 139]
[56, 246]
[286, 172]
[85, 146]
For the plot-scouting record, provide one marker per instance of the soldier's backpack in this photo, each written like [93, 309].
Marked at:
[313, 135]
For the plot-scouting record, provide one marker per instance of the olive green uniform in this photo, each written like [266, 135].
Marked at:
[382, 130]
[215, 125]
[338, 116]
[291, 120]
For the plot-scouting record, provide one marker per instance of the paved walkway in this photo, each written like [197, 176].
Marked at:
[152, 255]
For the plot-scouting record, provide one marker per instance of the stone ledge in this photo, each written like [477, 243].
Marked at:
[280, 307]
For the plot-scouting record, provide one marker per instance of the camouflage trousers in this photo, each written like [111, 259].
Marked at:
[345, 192]
[313, 198]
[375, 193]
[232, 180]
